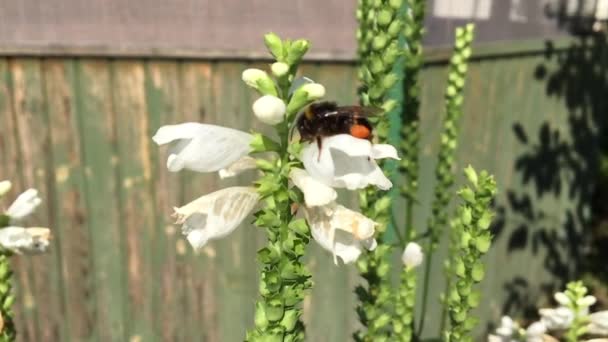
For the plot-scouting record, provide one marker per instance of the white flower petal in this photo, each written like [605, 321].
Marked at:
[269, 109]
[346, 162]
[299, 82]
[5, 186]
[382, 151]
[412, 257]
[561, 298]
[556, 319]
[315, 192]
[341, 231]
[239, 166]
[252, 75]
[201, 147]
[586, 301]
[24, 205]
[535, 332]
[598, 323]
[215, 215]
[25, 240]
[315, 91]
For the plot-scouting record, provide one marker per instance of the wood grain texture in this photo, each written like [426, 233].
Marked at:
[80, 130]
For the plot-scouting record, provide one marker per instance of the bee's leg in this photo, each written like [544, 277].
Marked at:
[320, 145]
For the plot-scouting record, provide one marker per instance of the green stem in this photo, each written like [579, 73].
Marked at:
[425, 290]
[8, 332]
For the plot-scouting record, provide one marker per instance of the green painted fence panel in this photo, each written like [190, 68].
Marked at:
[119, 270]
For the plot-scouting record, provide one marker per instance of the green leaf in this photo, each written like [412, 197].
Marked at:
[262, 143]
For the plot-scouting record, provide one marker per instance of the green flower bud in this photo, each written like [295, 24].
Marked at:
[290, 319]
[274, 310]
[485, 220]
[385, 17]
[395, 4]
[466, 216]
[477, 272]
[274, 45]
[297, 50]
[260, 320]
[471, 175]
[483, 243]
[379, 42]
[467, 194]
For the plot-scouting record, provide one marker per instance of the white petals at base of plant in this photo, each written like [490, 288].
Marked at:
[201, 147]
[5, 186]
[347, 162]
[215, 215]
[25, 240]
[556, 319]
[315, 193]
[536, 332]
[24, 205]
[341, 231]
[561, 298]
[598, 323]
[412, 255]
[243, 164]
[269, 109]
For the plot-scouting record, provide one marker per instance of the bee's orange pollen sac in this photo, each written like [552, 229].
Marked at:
[359, 131]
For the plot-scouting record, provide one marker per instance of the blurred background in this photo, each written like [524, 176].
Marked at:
[85, 84]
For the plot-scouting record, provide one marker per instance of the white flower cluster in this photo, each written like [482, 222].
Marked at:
[552, 319]
[343, 161]
[18, 239]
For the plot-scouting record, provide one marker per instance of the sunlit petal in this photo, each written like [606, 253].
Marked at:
[215, 215]
[25, 240]
[315, 192]
[202, 147]
[239, 166]
[24, 205]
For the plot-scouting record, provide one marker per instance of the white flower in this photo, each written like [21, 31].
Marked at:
[535, 332]
[24, 205]
[315, 193]
[598, 323]
[506, 330]
[561, 298]
[315, 91]
[252, 76]
[243, 164]
[25, 240]
[269, 109]
[412, 255]
[344, 161]
[5, 186]
[341, 231]
[586, 301]
[215, 215]
[279, 69]
[201, 147]
[556, 319]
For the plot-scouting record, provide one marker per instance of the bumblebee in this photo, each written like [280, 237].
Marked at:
[324, 119]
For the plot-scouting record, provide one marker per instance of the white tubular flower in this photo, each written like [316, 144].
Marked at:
[536, 332]
[252, 76]
[507, 327]
[348, 162]
[412, 255]
[315, 91]
[598, 323]
[24, 205]
[21, 240]
[341, 231]
[201, 147]
[215, 215]
[269, 109]
[279, 69]
[239, 166]
[5, 186]
[315, 193]
[556, 319]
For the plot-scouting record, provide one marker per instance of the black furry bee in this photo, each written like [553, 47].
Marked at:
[324, 119]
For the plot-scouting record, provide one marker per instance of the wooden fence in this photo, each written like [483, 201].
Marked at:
[79, 130]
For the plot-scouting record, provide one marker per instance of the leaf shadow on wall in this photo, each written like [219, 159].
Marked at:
[559, 163]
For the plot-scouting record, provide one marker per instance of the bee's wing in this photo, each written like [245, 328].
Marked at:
[354, 111]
